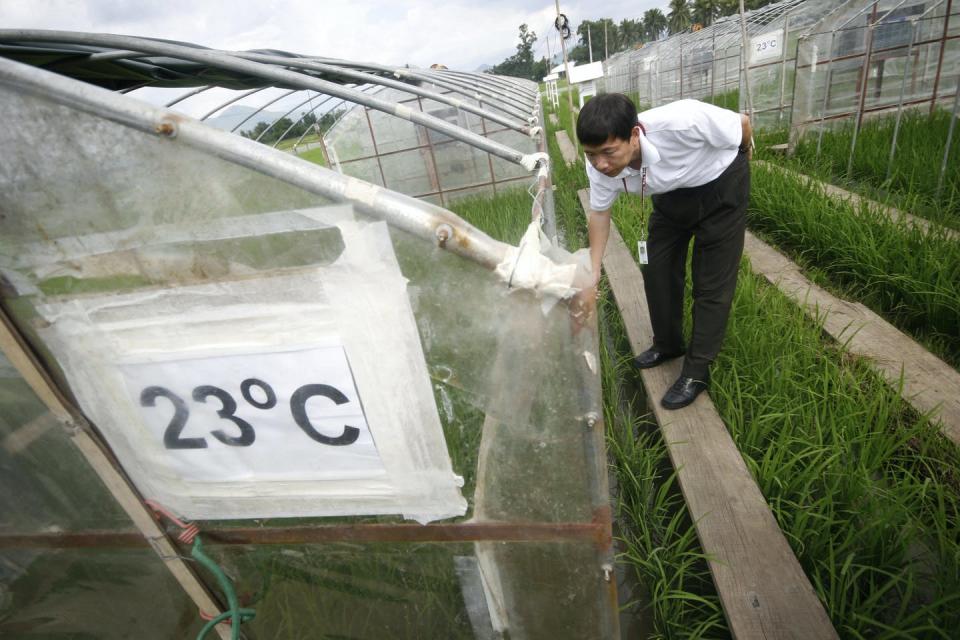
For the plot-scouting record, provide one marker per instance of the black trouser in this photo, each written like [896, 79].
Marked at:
[713, 214]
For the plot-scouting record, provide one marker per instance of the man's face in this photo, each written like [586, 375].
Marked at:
[612, 156]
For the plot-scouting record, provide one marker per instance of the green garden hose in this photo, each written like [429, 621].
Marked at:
[235, 614]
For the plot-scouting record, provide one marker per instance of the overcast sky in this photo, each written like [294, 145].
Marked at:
[459, 33]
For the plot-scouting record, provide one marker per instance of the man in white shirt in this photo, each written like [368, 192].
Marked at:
[692, 159]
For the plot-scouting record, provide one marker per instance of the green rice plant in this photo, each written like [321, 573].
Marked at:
[727, 100]
[908, 275]
[912, 183]
[504, 216]
[657, 538]
[842, 462]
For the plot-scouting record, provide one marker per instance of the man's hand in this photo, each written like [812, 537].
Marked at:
[746, 137]
[583, 307]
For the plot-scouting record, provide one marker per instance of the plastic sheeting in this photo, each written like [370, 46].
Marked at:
[346, 326]
[867, 59]
[99, 216]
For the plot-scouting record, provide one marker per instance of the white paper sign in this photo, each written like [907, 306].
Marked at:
[256, 417]
[766, 46]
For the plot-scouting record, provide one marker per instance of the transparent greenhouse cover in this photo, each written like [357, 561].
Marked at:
[253, 345]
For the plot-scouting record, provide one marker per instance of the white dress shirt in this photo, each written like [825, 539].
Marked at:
[686, 143]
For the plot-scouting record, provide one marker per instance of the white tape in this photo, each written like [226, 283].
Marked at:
[360, 191]
[403, 112]
[544, 171]
[535, 131]
[530, 160]
[591, 361]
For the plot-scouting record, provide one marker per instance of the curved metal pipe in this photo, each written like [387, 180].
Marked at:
[419, 218]
[386, 82]
[280, 76]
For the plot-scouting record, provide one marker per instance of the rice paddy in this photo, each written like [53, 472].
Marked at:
[912, 181]
[865, 490]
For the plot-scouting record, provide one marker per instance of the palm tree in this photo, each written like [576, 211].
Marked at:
[654, 23]
[679, 17]
[704, 11]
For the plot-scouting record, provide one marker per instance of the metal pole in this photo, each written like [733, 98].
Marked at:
[943, 46]
[713, 63]
[606, 52]
[590, 43]
[282, 76]
[387, 82]
[903, 88]
[783, 67]
[826, 90]
[864, 79]
[566, 66]
[744, 57]
[946, 152]
[419, 218]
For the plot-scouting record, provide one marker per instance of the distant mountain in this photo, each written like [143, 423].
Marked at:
[482, 68]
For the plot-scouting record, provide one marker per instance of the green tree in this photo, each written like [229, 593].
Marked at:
[654, 23]
[522, 64]
[631, 32]
[679, 18]
[705, 11]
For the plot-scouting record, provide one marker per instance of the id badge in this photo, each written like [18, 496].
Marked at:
[642, 251]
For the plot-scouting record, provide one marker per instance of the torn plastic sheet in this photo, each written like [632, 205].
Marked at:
[536, 264]
[357, 304]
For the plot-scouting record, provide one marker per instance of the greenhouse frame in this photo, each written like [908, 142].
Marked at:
[177, 299]
[808, 61]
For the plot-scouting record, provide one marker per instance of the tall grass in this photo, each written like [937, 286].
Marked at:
[908, 275]
[912, 184]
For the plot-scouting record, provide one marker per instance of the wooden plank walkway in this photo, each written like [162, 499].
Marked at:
[763, 589]
[857, 200]
[567, 149]
[928, 383]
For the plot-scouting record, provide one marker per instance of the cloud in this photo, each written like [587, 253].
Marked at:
[457, 33]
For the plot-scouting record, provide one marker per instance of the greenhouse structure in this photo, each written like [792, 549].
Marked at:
[811, 63]
[270, 378]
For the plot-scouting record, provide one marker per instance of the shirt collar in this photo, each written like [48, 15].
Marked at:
[648, 153]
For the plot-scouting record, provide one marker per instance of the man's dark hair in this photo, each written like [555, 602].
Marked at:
[605, 115]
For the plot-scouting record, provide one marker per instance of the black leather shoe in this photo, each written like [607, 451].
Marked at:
[684, 391]
[652, 357]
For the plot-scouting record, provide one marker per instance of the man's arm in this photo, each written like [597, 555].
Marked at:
[598, 232]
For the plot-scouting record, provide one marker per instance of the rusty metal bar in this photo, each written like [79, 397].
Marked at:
[596, 532]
